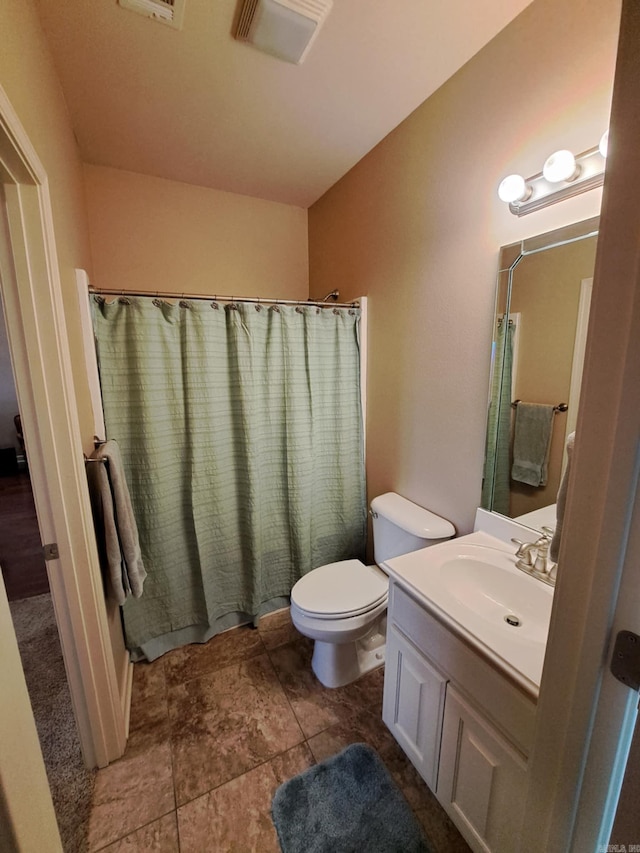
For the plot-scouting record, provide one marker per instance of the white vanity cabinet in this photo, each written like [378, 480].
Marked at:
[413, 704]
[482, 778]
[466, 728]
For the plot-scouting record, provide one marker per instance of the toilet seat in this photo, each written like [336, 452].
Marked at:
[340, 590]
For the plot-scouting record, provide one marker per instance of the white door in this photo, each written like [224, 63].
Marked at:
[585, 716]
[27, 819]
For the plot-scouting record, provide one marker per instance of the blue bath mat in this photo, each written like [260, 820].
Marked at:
[346, 804]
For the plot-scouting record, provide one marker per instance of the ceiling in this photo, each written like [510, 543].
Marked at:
[200, 107]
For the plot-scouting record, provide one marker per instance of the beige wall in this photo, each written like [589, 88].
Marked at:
[145, 232]
[152, 234]
[417, 226]
[546, 294]
[29, 79]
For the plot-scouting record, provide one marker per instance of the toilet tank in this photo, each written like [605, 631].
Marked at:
[400, 526]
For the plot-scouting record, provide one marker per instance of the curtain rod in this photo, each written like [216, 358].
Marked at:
[174, 295]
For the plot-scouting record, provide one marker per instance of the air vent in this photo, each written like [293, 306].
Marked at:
[170, 12]
[283, 28]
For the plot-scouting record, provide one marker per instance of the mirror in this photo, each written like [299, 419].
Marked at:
[542, 310]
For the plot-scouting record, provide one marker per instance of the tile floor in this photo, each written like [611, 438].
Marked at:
[216, 728]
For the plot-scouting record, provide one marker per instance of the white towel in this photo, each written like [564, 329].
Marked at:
[554, 548]
[116, 528]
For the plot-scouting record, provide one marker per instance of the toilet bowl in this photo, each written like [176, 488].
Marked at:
[342, 606]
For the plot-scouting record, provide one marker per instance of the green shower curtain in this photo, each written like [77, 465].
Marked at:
[495, 486]
[241, 433]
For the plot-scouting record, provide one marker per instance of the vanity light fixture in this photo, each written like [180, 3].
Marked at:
[563, 176]
[514, 188]
[560, 166]
[603, 145]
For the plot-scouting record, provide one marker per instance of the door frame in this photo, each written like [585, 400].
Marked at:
[41, 362]
[585, 717]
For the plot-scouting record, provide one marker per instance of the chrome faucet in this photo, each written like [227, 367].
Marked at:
[533, 557]
[543, 563]
[525, 557]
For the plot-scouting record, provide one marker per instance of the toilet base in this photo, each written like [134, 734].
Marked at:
[337, 664]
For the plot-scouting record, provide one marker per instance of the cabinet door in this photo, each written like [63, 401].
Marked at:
[482, 780]
[413, 704]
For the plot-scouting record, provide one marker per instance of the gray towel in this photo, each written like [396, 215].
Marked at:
[531, 443]
[116, 529]
[554, 548]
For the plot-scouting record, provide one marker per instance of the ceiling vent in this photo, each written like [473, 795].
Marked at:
[170, 12]
[283, 28]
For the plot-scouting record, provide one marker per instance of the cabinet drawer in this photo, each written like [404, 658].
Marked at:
[512, 711]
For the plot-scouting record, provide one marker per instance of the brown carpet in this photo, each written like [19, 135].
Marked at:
[70, 782]
[23, 567]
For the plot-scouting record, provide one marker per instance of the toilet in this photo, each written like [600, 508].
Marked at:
[342, 606]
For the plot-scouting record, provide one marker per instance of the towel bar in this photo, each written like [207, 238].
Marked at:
[561, 407]
[97, 442]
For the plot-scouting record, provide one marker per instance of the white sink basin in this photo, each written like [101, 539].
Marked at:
[473, 586]
[496, 593]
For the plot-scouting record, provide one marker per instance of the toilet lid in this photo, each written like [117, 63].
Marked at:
[346, 588]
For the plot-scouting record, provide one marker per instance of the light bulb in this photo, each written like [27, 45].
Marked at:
[513, 188]
[603, 146]
[560, 166]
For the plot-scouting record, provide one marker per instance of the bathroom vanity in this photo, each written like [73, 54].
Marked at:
[461, 682]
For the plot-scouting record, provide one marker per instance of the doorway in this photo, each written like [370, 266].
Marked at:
[26, 582]
[21, 559]
[42, 369]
